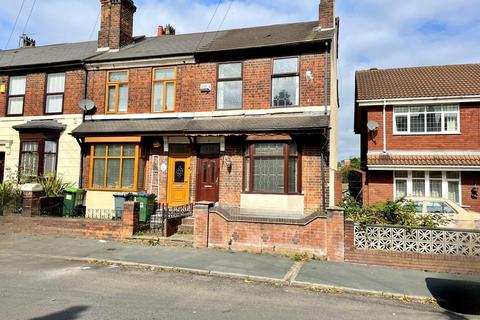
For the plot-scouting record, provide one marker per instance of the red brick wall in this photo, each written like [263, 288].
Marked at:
[469, 139]
[231, 181]
[257, 86]
[469, 180]
[378, 188]
[428, 262]
[88, 228]
[34, 103]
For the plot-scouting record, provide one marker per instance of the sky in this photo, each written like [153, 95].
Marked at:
[373, 33]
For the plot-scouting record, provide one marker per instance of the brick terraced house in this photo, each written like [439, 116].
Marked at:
[420, 132]
[244, 118]
[40, 88]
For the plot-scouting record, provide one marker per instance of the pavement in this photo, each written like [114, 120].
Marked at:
[457, 293]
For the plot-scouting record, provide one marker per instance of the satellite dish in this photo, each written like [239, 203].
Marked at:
[372, 125]
[86, 105]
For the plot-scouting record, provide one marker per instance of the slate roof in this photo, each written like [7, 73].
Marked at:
[433, 81]
[235, 39]
[207, 125]
[423, 159]
[51, 54]
[169, 45]
[41, 125]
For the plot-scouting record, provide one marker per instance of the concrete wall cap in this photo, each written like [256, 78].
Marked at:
[32, 187]
[335, 209]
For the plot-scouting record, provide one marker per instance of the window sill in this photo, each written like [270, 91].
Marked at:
[273, 194]
[426, 133]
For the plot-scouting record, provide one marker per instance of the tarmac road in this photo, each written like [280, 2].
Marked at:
[52, 289]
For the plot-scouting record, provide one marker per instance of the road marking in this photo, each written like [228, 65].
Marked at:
[294, 271]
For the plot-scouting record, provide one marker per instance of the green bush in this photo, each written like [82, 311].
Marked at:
[10, 194]
[399, 212]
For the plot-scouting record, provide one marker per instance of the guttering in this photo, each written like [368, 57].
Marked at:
[421, 100]
[422, 168]
[139, 63]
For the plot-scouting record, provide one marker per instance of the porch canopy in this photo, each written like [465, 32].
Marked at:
[238, 125]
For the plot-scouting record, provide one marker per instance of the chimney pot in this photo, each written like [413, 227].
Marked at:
[160, 31]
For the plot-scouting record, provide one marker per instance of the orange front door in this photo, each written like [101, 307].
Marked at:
[178, 181]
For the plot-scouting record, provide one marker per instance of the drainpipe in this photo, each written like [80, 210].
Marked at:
[384, 126]
[323, 166]
[82, 145]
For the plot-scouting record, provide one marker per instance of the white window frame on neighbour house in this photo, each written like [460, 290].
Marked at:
[414, 178]
[428, 112]
[16, 93]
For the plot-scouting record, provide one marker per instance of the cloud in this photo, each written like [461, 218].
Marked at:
[373, 33]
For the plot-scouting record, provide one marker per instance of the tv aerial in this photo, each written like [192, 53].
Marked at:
[372, 125]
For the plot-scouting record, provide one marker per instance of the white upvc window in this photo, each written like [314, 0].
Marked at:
[55, 93]
[434, 119]
[16, 95]
[437, 184]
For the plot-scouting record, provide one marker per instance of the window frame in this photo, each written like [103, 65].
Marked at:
[137, 158]
[41, 154]
[15, 96]
[427, 181]
[229, 80]
[165, 81]
[285, 75]
[47, 94]
[117, 86]
[286, 157]
[425, 113]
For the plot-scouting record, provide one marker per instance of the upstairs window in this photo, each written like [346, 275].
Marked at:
[16, 95]
[229, 86]
[164, 85]
[285, 82]
[55, 92]
[426, 119]
[117, 91]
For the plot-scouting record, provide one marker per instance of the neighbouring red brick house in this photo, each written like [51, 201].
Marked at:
[424, 135]
[245, 118]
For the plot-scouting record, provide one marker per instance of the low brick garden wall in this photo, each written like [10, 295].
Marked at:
[76, 227]
[463, 258]
[218, 228]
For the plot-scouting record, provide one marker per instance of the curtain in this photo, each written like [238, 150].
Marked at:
[56, 83]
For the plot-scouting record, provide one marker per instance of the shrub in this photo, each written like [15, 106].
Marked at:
[9, 194]
[53, 186]
[398, 212]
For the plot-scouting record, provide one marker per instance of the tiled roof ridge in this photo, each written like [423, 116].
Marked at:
[374, 69]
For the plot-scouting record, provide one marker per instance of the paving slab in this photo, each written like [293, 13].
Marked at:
[385, 279]
[202, 259]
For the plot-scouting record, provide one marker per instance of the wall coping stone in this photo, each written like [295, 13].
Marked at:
[32, 187]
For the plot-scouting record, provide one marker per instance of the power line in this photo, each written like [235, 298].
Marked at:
[208, 26]
[15, 24]
[29, 16]
[221, 23]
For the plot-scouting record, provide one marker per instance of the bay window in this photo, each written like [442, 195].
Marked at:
[437, 184]
[55, 92]
[16, 95]
[272, 168]
[229, 86]
[38, 158]
[116, 167]
[117, 91]
[285, 82]
[426, 119]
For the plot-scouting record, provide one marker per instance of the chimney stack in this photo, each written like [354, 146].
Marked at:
[26, 41]
[167, 30]
[327, 14]
[116, 28]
